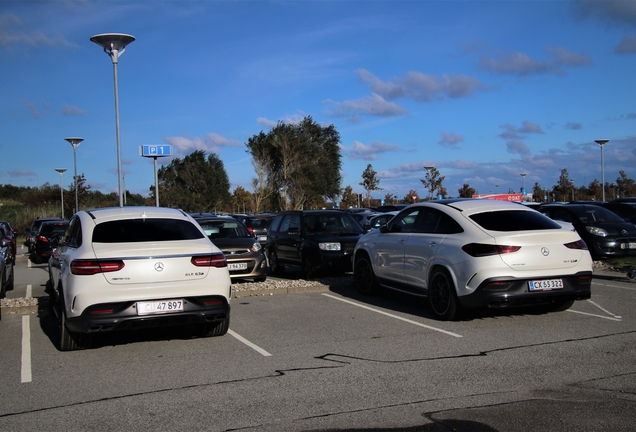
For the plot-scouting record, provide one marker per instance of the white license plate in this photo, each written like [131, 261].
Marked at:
[545, 285]
[630, 245]
[262, 238]
[237, 266]
[159, 307]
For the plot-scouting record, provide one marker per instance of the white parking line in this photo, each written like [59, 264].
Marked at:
[594, 315]
[29, 291]
[26, 349]
[394, 316]
[249, 344]
[615, 286]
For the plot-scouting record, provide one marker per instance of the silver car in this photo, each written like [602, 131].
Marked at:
[471, 253]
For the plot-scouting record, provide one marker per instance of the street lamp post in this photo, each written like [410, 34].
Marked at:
[523, 191]
[75, 142]
[61, 171]
[602, 143]
[114, 44]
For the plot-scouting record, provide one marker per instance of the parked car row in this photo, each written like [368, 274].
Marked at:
[133, 267]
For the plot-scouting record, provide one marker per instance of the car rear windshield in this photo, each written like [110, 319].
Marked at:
[216, 229]
[335, 222]
[514, 220]
[145, 230]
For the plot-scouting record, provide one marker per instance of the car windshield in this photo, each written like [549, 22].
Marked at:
[50, 230]
[145, 230]
[589, 214]
[514, 220]
[337, 222]
[216, 229]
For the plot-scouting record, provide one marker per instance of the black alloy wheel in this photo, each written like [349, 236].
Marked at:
[442, 297]
[364, 277]
[274, 265]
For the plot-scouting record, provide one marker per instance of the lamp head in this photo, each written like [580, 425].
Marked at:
[74, 141]
[113, 41]
[60, 170]
[429, 168]
[601, 142]
[523, 174]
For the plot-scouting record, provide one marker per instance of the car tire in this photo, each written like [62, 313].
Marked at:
[11, 281]
[309, 269]
[3, 285]
[274, 265]
[442, 297]
[35, 259]
[214, 329]
[364, 276]
[68, 341]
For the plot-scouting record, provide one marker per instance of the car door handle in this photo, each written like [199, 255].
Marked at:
[401, 241]
[432, 244]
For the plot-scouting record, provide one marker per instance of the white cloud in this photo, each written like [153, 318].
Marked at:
[374, 105]
[369, 152]
[210, 143]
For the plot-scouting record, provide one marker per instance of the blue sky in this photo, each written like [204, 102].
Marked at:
[482, 90]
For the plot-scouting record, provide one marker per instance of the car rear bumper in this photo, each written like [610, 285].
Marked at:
[506, 292]
[123, 316]
[256, 268]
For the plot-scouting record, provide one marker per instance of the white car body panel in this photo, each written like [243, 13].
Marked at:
[139, 280]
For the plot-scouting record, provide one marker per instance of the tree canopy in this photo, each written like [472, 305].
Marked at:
[300, 164]
[194, 183]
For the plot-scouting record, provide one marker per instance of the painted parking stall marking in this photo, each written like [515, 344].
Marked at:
[394, 316]
[248, 343]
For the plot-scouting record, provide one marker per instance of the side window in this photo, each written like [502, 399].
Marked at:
[427, 221]
[405, 221]
[73, 235]
[294, 223]
[562, 215]
[276, 224]
[284, 226]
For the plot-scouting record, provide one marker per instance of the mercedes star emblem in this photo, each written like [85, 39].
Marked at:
[159, 266]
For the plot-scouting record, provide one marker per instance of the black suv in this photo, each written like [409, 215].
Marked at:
[316, 241]
[42, 248]
[32, 232]
[606, 234]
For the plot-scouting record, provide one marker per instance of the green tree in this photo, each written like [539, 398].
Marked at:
[370, 182]
[349, 199]
[466, 191]
[625, 185]
[302, 162]
[194, 183]
[563, 189]
[433, 182]
[412, 197]
[242, 200]
[538, 193]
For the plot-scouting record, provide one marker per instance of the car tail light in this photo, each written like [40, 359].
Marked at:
[91, 267]
[43, 239]
[214, 260]
[480, 250]
[251, 230]
[579, 244]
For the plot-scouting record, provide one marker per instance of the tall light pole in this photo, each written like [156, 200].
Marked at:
[523, 191]
[602, 143]
[114, 44]
[61, 171]
[75, 142]
[430, 179]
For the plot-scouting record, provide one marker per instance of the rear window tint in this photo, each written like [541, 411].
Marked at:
[145, 230]
[514, 220]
